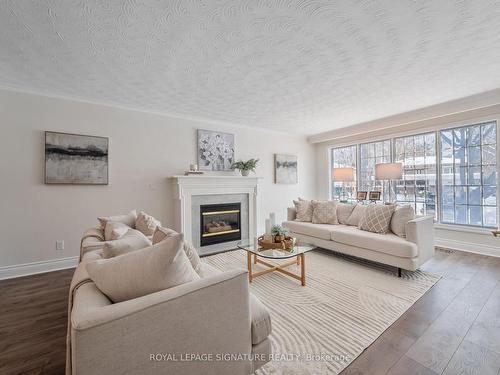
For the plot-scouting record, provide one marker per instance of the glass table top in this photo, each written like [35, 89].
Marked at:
[253, 247]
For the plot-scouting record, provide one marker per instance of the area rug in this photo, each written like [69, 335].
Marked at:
[346, 304]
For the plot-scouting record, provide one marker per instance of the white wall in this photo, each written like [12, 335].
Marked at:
[456, 237]
[145, 149]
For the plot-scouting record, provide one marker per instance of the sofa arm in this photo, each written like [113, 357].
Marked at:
[420, 231]
[206, 316]
[291, 213]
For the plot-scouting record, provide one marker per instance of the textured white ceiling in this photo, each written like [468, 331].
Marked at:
[300, 66]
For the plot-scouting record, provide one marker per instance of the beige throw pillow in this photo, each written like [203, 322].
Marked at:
[114, 230]
[356, 215]
[162, 233]
[130, 241]
[143, 272]
[377, 218]
[324, 212]
[128, 219]
[146, 223]
[304, 210]
[344, 211]
[401, 216]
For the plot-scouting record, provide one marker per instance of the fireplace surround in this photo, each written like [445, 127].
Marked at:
[191, 192]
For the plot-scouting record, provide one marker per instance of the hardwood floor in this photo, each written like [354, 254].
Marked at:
[453, 329]
[33, 323]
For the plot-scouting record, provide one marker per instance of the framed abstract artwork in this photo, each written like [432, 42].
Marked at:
[285, 169]
[76, 159]
[215, 150]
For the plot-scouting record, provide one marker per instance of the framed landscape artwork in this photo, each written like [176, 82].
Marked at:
[215, 150]
[76, 159]
[374, 195]
[361, 195]
[285, 169]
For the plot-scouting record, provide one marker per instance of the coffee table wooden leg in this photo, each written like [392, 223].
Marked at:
[302, 269]
[255, 258]
[249, 261]
[298, 260]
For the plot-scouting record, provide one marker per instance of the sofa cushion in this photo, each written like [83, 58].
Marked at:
[324, 212]
[344, 210]
[261, 320]
[144, 271]
[304, 210]
[207, 270]
[161, 233]
[146, 223]
[130, 241]
[128, 219]
[356, 215]
[114, 230]
[309, 229]
[401, 216]
[377, 218]
[383, 243]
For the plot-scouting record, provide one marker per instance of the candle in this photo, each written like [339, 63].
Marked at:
[272, 217]
[268, 226]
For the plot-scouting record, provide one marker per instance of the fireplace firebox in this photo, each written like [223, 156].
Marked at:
[220, 223]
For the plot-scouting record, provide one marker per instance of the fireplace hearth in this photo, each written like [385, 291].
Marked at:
[220, 223]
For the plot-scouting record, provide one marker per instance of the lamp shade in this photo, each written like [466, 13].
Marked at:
[343, 174]
[388, 171]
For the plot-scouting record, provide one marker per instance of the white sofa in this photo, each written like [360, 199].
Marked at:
[213, 315]
[404, 253]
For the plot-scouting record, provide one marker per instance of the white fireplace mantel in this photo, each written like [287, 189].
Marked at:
[185, 187]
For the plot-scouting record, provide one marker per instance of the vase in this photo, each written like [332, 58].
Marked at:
[245, 173]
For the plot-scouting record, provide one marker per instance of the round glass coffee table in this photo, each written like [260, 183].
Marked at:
[297, 252]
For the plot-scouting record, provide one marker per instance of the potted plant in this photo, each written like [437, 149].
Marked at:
[245, 167]
[278, 232]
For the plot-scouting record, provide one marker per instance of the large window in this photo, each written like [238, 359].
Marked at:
[418, 186]
[468, 175]
[451, 173]
[344, 157]
[371, 154]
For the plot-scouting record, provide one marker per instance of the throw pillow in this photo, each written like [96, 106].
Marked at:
[377, 218]
[162, 233]
[146, 223]
[400, 217]
[343, 212]
[324, 212]
[143, 272]
[128, 219]
[304, 210]
[114, 230]
[130, 241]
[356, 215]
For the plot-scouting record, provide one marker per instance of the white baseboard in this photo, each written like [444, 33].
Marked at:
[17, 270]
[469, 247]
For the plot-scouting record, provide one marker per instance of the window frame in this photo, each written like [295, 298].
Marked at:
[437, 129]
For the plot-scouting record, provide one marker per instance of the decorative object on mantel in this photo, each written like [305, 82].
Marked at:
[285, 169]
[193, 169]
[76, 159]
[215, 150]
[245, 167]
